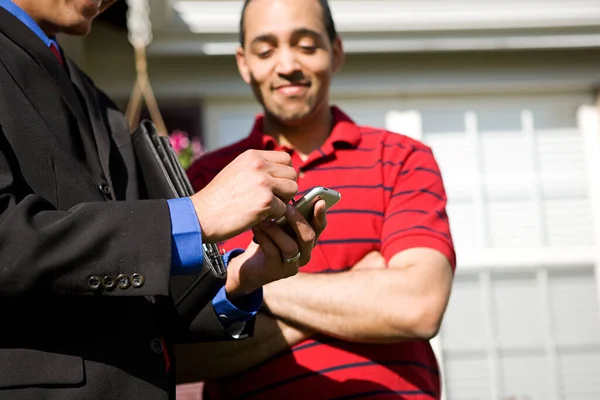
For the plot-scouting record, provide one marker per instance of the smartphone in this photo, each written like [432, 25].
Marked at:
[306, 204]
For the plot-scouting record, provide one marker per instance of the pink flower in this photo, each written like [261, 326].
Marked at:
[197, 149]
[179, 140]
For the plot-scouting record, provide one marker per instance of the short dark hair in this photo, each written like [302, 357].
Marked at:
[327, 21]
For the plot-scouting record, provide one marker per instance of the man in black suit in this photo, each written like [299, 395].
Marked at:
[85, 263]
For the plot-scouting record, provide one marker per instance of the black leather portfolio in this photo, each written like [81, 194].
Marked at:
[165, 178]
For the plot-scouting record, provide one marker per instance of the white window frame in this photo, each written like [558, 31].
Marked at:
[541, 260]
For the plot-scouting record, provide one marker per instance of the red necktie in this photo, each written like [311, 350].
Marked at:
[56, 52]
[166, 353]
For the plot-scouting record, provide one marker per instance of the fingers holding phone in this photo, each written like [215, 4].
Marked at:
[305, 233]
[263, 261]
[279, 250]
[288, 245]
[281, 247]
[304, 221]
[299, 236]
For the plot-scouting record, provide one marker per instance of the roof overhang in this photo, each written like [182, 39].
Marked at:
[209, 27]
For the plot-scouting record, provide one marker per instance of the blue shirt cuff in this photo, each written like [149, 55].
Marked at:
[246, 308]
[229, 314]
[186, 237]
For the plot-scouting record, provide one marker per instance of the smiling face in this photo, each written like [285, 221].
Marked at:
[288, 58]
[73, 17]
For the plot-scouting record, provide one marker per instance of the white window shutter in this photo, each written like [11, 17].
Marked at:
[405, 122]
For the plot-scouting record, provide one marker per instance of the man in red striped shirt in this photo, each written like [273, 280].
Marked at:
[355, 322]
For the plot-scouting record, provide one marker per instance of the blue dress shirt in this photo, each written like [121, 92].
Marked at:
[186, 245]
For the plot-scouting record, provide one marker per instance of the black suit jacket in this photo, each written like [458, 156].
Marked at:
[70, 210]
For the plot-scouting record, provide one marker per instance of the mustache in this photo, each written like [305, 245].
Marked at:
[295, 77]
[300, 82]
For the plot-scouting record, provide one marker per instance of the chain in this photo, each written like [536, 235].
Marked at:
[140, 36]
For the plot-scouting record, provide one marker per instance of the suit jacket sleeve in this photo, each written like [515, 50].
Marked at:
[47, 251]
[206, 325]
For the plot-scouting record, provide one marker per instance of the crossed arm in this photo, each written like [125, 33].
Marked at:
[369, 303]
[405, 301]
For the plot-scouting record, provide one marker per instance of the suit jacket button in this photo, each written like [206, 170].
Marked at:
[94, 282]
[123, 281]
[109, 283]
[137, 280]
[105, 189]
[156, 346]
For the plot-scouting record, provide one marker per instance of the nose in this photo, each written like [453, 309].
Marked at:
[287, 62]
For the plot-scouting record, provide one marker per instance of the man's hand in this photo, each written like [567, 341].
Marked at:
[373, 260]
[256, 186]
[264, 260]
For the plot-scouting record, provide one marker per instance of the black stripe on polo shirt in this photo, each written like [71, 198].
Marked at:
[342, 241]
[420, 169]
[382, 144]
[394, 145]
[338, 368]
[403, 193]
[415, 228]
[400, 145]
[358, 167]
[427, 170]
[306, 346]
[386, 188]
[425, 191]
[373, 212]
[422, 149]
[386, 392]
[437, 196]
[405, 212]
[322, 340]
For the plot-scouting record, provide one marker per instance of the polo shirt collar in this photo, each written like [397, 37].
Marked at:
[345, 134]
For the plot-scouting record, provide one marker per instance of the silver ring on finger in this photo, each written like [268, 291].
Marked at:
[292, 259]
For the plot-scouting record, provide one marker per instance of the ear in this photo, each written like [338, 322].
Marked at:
[338, 54]
[240, 57]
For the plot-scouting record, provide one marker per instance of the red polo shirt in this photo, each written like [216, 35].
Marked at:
[393, 199]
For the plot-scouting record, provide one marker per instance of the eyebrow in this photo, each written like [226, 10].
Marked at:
[297, 33]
